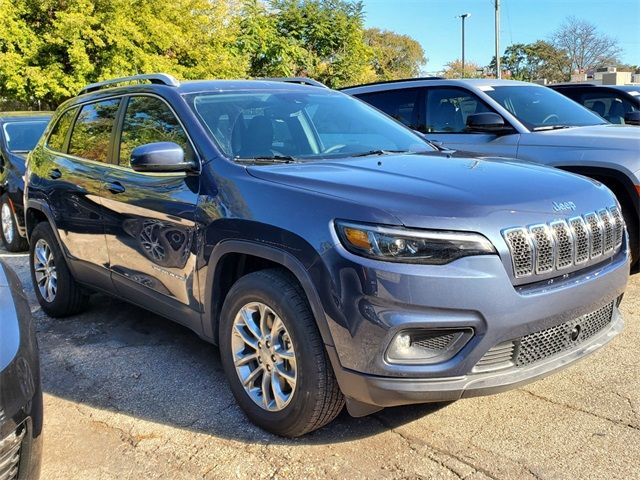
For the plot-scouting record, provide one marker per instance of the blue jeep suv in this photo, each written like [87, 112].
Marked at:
[333, 254]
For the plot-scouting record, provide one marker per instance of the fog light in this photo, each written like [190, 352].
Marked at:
[427, 346]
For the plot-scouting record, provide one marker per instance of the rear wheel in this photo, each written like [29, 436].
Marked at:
[274, 358]
[57, 291]
[11, 238]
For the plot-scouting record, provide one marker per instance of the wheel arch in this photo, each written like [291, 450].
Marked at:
[36, 212]
[232, 259]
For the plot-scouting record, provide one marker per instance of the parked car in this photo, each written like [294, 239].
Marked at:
[619, 104]
[332, 253]
[20, 390]
[19, 132]
[519, 120]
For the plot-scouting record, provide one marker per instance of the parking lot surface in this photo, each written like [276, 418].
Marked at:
[130, 395]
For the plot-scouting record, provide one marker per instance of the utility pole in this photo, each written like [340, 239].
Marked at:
[498, 69]
[464, 16]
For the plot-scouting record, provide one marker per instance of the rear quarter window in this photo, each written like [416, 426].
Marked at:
[58, 136]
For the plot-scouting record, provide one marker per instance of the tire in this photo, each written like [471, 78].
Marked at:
[67, 298]
[315, 400]
[11, 238]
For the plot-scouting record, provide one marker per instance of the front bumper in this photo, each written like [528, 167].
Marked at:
[387, 391]
[376, 300]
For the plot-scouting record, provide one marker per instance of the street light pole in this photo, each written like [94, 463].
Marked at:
[498, 69]
[464, 16]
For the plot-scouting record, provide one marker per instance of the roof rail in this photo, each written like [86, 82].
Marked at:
[382, 82]
[572, 84]
[300, 80]
[156, 78]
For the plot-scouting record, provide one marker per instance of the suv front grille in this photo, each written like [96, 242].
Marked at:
[10, 454]
[545, 343]
[541, 249]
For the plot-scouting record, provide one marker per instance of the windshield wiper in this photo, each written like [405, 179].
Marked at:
[379, 152]
[550, 127]
[267, 159]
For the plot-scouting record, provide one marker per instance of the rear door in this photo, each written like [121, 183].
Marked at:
[72, 177]
[151, 228]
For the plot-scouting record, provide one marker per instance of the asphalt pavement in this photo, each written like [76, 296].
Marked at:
[130, 395]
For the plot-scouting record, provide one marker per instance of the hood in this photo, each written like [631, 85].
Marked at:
[440, 191]
[601, 137]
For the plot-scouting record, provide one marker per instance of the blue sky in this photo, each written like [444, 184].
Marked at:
[433, 24]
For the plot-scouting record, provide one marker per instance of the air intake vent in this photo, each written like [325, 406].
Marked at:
[10, 454]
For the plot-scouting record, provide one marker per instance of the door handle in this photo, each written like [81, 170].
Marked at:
[55, 174]
[115, 187]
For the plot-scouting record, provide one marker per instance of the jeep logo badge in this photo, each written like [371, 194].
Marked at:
[564, 206]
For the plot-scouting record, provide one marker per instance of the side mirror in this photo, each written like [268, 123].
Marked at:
[160, 157]
[632, 118]
[487, 122]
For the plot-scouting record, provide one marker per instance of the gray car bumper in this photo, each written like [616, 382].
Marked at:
[388, 391]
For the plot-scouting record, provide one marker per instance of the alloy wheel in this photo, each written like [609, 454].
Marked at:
[7, 223]
[45, 270]
[264, 356]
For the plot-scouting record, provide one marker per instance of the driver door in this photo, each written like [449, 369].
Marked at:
[446, 111]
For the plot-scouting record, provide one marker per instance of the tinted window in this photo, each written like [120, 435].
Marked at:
[59, 134]
[91, 134]
[23, 136]
[540, 107]
[608, 105]
[307, 124]
[150, 120]
[448, 109]
[400, 104]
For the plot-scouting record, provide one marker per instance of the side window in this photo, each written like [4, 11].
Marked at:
[59, 133]
[150, 120]
[91, 134]
[400, 104]
[608, 105]
[448, 109]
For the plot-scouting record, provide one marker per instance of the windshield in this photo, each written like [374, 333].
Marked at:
[299, 125]
[23, 136]
[541, 107]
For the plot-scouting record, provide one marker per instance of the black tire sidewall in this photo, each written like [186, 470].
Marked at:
[60, 306]
[254, 289]
[19, 243]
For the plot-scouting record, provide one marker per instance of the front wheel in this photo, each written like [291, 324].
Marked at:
[274, 358]
[11, 238]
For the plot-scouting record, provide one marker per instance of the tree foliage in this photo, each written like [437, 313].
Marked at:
[584, 45]
[533, 61]
[394, 56]
[454, 70]
[49, 49]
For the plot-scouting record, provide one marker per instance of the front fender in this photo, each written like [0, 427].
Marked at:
[267, 252]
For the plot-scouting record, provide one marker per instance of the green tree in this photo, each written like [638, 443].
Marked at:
[394, 56]
[533, 61]
[322, 39]
[454, 70]
[57, 46]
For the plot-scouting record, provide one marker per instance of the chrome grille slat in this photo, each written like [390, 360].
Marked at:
[617, 216]
[10, 454]
[581, 238]
[500, 356]
[609, 237]
[596, 230]
[521, 248]
[564, 244]
[543, 248]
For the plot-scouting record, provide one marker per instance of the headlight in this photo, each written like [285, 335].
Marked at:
[432, 247]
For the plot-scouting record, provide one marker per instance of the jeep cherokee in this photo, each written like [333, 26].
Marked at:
[332, 253]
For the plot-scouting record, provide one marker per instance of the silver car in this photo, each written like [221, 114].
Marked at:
[519, 120]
